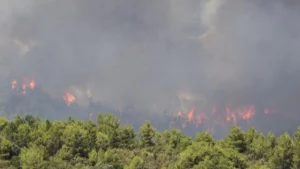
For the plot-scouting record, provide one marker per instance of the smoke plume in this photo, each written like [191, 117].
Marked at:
[141, 53]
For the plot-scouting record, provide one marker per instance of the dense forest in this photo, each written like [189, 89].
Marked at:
[31, 143]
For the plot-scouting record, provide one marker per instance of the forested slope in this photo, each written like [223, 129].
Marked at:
[106, 144]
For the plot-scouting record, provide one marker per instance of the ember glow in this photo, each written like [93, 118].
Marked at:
[193, 109]
[13, 84]
[69, 98]
[226, 116]
[26, 83]
[191, 114]
[32, 84]
[196, 110]
[243, 112]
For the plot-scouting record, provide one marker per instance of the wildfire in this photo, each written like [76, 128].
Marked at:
[69, 98]
[244, 112]
[27, 83]
[32, 84]
[192, 117]
[14, 84]
[228, 115]
[191, 114]
[247, 112]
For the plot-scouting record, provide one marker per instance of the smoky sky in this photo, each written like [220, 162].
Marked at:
[141, 52]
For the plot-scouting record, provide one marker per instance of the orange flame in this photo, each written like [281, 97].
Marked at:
[191, 114]
[27, 84]
[248, 112]
[69, 98]
[32, 84]
[245, 113]
[232, 115]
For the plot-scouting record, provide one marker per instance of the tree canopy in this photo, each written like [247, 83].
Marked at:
[30, 143]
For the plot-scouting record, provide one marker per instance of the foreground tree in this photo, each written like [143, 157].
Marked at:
[32, 157]
[283, 153]
[146, 134]
[32, 143]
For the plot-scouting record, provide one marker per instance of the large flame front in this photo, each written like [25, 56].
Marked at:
[227, 115]
[217, 115]
[193, 108]
[69, 98]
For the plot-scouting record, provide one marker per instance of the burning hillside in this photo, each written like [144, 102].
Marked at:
[192, 109]
[26, 84]
[31, 84]
[236, 61]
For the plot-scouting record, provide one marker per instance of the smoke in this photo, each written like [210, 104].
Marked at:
[253, 50]
[140, 53]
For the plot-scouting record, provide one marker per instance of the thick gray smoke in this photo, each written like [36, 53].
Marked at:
[141, 53]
